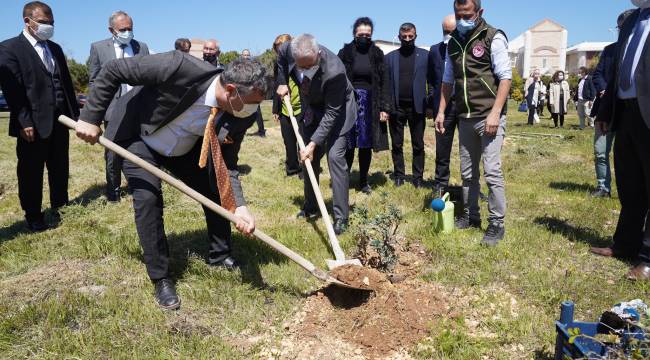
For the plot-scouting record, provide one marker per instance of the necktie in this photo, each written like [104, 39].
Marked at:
[47, 57]
[123, 87]
[630, 54]
[305, 87]
[221, 171]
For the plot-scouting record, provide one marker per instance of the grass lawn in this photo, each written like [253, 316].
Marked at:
[81, 290]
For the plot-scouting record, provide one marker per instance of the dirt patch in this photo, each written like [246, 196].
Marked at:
[338, 322]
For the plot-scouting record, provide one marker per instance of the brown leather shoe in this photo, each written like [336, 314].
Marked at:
[640, 272]
[606, 252]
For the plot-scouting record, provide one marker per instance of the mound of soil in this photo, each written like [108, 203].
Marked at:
[387, 320]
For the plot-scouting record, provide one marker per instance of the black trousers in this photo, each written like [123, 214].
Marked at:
[32, 159]
[558, 117]
[291, 163]
[113, 170]
[148, 204]
[444, 144]
[365, 158]
[531, 114]
[632, 164]
[260, 122]
[416, 123]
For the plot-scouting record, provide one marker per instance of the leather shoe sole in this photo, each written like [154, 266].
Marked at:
[639, 272]
[606, 252]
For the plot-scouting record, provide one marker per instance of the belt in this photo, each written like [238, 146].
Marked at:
[629, 103]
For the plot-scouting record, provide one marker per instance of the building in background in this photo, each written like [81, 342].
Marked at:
[584, 54]
[543, 47]
[197, 48]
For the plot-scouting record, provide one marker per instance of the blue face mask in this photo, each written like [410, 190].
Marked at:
[464, 26]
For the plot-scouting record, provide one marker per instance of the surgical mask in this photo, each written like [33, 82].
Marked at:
[44, 31]
[124, 37]
[464, 26]
[408, 44]
[363, 43]
[643, 4]
[246, 111]
[210, 57]
[560, 77]
[446, 38]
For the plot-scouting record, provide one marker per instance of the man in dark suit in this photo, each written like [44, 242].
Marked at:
[163, 121]
[585, 96]
[120, 45]
[408, 72]
[329, 112]
[444, 142]
[625, 108]
[38, 88]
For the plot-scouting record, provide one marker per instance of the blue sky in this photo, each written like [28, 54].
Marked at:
[254, 24]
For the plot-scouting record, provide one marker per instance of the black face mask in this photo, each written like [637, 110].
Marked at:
[363, 43]
[209, 58]
[408, 44]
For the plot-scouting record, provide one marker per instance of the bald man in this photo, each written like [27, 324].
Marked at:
[211, 52]
[443, 141]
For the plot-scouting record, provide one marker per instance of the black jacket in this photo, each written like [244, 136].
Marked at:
[380, 90]
[27, 86]
[166, 85]
[607, 111]
[603, 74]
[437, 55]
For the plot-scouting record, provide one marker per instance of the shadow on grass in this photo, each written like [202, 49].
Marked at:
[244, 169]
[570, 186]
[375, 180]
[573, 233]
[8, 233]
[251, 253]
[542, 355]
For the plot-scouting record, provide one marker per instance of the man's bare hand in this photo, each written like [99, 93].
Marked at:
[602, 127]
[246, 221]
[440, 123]
[308, 152]
[383, 116]
[88, 132]
[283, 90]
[276, 117]
[492, 124]
[27, 134]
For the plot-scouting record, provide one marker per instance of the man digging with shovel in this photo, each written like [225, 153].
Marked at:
[172, 120]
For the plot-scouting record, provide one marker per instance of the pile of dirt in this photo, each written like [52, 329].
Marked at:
[389, 319]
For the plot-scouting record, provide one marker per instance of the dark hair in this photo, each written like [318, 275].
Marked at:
[29, 8]
[584, 70]
[407, 26]
[362, 21]
[248, 76]
[624, 15]
[182, 44]
[477, 3]
[557, 73]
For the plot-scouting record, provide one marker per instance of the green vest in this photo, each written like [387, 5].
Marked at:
[475, 84]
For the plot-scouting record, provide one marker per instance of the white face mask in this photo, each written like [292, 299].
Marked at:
[44, 31]
[124, 37]
[643, 4]
[246, 111]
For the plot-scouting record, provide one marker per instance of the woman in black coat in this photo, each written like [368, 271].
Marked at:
[364, 63]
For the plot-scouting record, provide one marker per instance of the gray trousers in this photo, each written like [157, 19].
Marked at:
[335, 148]
[583, 113]
[474, 145]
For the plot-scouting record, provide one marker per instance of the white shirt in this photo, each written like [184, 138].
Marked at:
[128, 52]
[500, 60]
[179, 136]
[581, 86]
[41, 48]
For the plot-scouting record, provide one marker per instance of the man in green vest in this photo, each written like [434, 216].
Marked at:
[478, 72]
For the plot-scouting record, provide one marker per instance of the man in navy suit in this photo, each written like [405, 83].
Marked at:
[38, 87]
[625, 108]
[408, 72]
[444, 141]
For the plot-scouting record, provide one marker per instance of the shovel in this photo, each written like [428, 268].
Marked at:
[334, 242]
[304, 263]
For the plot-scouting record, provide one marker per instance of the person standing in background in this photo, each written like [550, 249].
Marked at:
[119, 46]
[281, 114]
[261, 132]
[183, 44]
[532, 93]
[541, 99]
[408, 72]
[585, 96]
[444, 141]
[211, 52]
[558, 99]
[36, 82]
[364, 65]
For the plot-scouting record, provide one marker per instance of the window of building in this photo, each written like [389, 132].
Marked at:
[544, 63]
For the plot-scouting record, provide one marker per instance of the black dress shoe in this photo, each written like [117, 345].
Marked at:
[113, 196]
[37, 225]
[464, 222]
[294, 172]
[398, 182]
[340, 226]
[309, 216]
[418, 183]
[165, 295]
[228, 263]
[366, 189]
[601, 193]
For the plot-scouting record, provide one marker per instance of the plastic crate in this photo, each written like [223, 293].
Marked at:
[582, 347]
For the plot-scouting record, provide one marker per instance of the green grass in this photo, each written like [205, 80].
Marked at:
[507, 297]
